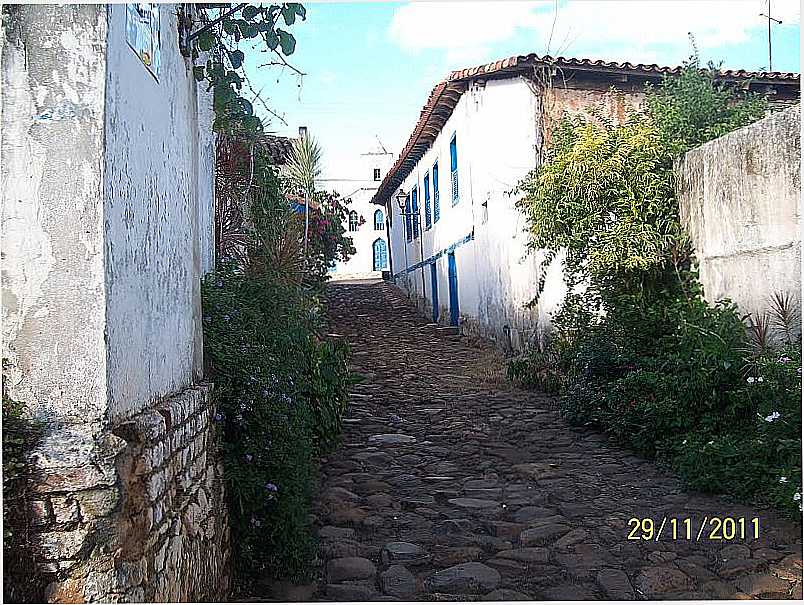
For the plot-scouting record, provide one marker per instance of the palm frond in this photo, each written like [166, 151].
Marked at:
[785, 315]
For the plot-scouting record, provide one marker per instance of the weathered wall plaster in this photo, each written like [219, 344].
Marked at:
[739, 199]
[153, 226]
[107, 230]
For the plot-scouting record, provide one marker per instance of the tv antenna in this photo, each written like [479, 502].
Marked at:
[771, 20]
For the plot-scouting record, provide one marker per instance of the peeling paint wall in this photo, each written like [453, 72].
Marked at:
[739, 199]
[52, 222]
[107, 225]
[154, 233]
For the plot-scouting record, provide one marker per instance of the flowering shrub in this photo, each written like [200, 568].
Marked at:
[328, 242]
[637, 351]
[281, 389]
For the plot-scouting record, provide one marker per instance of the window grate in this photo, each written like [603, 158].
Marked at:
[454, 186]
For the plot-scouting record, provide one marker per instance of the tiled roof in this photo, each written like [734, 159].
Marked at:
[445, 96]
[278, 148]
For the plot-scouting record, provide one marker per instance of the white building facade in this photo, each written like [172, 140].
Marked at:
[458, 243]
[366, 223]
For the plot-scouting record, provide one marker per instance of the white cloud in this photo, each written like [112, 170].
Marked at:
[623, 30]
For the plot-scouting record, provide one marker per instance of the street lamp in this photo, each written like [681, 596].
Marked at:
[401, 198]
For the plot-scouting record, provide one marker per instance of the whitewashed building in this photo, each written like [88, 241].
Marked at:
[366, 224]
[458, 245]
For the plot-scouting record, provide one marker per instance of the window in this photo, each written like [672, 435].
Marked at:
[453, 167]
[408, 229]
[427, 219]
[379, 221]
[376, 174]
[380, 255]
[415, 211]
[436, 205]
[353, 221]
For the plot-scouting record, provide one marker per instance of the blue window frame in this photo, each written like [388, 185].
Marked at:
[428, 222]
[415, 210]
[379, 221]
[453, 166]
[436, 204]
[408, 230]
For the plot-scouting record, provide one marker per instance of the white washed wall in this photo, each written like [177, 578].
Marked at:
[158, 218]
[496, 128]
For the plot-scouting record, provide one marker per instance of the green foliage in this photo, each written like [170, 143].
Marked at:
[20, 583]
[328, 241]
[219, 37]
[637, 352]
[281, 388]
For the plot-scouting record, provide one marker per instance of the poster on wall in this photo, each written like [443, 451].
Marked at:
[142, 33]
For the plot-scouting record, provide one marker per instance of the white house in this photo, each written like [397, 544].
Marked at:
[366, 223]
[457, 243]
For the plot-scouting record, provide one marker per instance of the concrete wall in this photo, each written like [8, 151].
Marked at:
[106, 232]
[501, 127]
[739, 198]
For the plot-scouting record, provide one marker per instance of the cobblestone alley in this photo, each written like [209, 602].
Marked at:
[451, 484]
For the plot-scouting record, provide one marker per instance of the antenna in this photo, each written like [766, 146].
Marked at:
[384, 150]
[770, 20]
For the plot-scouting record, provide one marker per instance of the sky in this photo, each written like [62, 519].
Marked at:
[369, 67]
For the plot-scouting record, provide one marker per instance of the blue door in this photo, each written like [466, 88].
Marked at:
[380, 254]
[434, 288]
[453, 290]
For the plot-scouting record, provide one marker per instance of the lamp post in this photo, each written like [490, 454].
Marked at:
[401, 197]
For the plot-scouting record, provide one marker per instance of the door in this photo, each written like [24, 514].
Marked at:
[453, 290]
[434, 289]
[380, 255]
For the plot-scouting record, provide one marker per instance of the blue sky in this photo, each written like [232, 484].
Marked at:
[370, 66]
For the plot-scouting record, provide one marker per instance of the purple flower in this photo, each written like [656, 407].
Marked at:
[784, 359]
[271, 488]
[218, 417]
[225, 318]
[249, 457]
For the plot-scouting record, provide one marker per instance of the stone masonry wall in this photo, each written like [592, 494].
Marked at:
[159, 532]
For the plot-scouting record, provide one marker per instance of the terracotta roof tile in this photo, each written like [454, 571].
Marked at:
[445, 95]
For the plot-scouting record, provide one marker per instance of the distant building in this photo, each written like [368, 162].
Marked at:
[366, 223]
[460, 248]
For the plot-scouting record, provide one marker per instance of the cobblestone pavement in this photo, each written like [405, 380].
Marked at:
[452, 485]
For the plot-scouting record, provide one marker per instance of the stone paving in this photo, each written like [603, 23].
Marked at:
[452, 485]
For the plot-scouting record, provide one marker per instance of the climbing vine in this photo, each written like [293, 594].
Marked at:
[216, 50]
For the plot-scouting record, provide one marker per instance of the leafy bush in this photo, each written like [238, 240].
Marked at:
[637, 352]
[281, 389]
[21, 582]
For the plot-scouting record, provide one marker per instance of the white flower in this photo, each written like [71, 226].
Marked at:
[772, 417]
[796, 496]
[782, 479]
[760, 379]
[684, 442]
[750, 380]
[710, 443]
